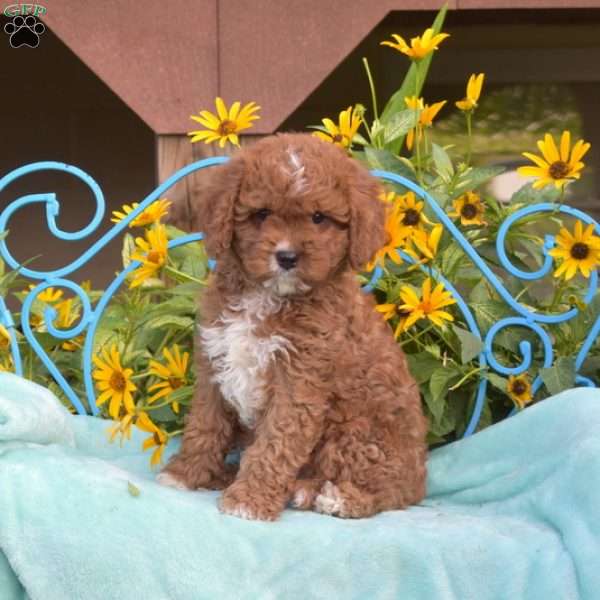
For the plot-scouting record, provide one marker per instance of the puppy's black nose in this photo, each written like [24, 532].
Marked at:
[286, 259]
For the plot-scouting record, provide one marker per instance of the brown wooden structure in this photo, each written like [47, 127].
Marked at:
[112, 84]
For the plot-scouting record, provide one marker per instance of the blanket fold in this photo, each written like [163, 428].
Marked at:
[31, 413]
[511, 513]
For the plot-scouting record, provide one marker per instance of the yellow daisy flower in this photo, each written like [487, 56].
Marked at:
[152, 253]
[474, 85]
[343, 133]
[6, 364]
[469, 208]
[153, 214]
[519, 389]
[114, 382]
[420, 46]
[556, 165]
[66, 316]
[396, 235]
[49, 295]
[158, 438]
[410, 213]
[392, 311]
[122, 427]
[173, 374]
[387, 197]
[578, 252]
[428, 113]
[65, 319]
[226, 124]
[427, 243]
[428, 305]
[4, 338]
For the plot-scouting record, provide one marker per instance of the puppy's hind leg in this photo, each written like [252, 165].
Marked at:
[304, 492]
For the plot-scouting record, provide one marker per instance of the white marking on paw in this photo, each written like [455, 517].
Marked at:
[299, 497]
[329, 501]
[241, 511]
[169, 480]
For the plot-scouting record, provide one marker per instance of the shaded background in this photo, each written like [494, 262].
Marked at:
[111, 87]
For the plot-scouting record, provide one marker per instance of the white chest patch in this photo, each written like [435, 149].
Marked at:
[239, 357]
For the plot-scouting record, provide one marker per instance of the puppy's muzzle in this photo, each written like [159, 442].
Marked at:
[286, 259]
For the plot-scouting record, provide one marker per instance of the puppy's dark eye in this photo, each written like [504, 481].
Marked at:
[262, 214]
[318, 218]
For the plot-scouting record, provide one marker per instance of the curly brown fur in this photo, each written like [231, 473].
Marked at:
[295, 363]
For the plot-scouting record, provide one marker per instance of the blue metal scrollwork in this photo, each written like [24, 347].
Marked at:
[90, 316]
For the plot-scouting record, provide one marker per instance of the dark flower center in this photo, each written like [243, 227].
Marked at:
[226, 127]
[117, 381]
[338, 138]
[153, 257]
[411, 217]
[558, 170]
[519, 388]
[468, 211]
[580, 251]
[175, 383]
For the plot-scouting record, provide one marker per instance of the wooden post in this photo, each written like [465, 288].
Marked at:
[176, 151]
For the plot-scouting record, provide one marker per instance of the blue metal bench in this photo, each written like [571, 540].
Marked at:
[538, 323]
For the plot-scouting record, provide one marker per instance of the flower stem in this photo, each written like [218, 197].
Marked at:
[417, 140]
[467, 376]
[372, 87]
[415, 338]
[468, 116]
[557, 295]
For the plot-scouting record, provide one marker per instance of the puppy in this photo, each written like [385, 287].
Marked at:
[293, 362]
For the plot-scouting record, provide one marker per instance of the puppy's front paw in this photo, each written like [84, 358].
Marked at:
[169, 480]
[192, 473]
[240, 501]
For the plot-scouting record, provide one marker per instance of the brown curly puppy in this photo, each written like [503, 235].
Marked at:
[293, 361]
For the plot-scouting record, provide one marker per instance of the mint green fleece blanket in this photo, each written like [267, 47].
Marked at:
[513, 513]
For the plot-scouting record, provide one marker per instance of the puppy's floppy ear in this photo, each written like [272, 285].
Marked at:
[212, 209]
[367, 217]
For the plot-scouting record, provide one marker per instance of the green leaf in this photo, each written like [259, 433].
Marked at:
[500, 383]
[400, 124]
[384, 160]
[175, 321]
[441, 379]
[442, 162]
[470, 344]
[410, 86]
[189, 289]
[127, 250]
[475, 177]
[527, 194]
[422, 365]
[560, 376]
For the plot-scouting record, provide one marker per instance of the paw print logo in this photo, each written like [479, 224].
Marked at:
[24, 31]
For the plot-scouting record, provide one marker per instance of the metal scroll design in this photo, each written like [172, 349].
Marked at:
[90, 316]
[526, 317]
[58, 278]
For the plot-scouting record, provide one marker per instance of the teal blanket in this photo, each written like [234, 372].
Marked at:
[512, 513]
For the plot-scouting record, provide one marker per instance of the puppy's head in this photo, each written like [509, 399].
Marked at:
[294, 210]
